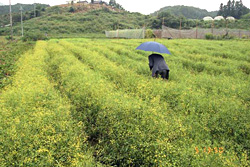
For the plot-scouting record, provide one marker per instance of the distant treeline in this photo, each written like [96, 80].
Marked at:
[233, 8]
[57, 20]
[16, 8]
[28, 13]
[188, 12]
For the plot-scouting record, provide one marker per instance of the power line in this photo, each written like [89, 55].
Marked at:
[34, 9]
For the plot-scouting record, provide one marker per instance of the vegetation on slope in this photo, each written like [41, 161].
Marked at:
[58, 20]
[233, 8]
[4, 10]
[79, 20]
[28, 13]
[186, 11]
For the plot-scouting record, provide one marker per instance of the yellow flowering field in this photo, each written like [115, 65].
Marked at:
[93, 102]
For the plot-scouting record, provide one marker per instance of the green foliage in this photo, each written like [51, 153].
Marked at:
[58, 21]
[246, 16]
[186, 11]
[201, 105]
[96, 21]
[210, 36]
[71, 9]
[233, 8]
[149, 34]
[16, 8]
[79, 95]
[28, 13]
[34, 36]
[113, 3]
[171, 21]
[10, 51]
[218, 37]
[36, 126]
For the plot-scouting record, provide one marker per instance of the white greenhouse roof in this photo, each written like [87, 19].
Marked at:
[208, 18]
[230, 18]
[219, 18]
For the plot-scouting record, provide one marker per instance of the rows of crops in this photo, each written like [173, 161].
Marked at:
[90, 102]
[9, 54]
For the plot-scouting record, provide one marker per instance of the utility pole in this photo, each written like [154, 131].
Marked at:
[180, 27]
[34, 9]
[118, 29]
[11, 28]
[21, 9]
[196, 35]
[212, 27]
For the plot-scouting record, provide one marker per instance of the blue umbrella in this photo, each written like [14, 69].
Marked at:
[153, 47]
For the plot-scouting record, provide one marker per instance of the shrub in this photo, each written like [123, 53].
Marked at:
[34, 37]
[209, 36]
[9, 37]
[71, 9]
[245, 37]
[149, 34]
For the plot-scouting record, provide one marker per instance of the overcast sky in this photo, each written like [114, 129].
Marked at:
[144, 6]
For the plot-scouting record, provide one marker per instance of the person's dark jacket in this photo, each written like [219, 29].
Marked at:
[157, 63]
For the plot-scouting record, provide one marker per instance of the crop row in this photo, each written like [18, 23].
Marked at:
[197, 62]
[205, 98]
[235, 50]
[197, 108]
[36, 127]
[219, 83]
[216, 56]
[124, 129]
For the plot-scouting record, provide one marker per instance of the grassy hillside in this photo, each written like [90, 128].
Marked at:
[79, 20]
[85, 19]
[187, 11]
[28, 13]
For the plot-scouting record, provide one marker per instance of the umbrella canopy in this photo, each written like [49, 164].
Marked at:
[153, 47]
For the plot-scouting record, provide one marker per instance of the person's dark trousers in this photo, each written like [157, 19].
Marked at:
[164, 74]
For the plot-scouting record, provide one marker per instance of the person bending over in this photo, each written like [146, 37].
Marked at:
[158, 66]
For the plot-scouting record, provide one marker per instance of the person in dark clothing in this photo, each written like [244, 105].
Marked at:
[158, 66]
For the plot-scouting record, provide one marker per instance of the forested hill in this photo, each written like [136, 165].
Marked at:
[15, 8]
[76, 19]
[187, 11]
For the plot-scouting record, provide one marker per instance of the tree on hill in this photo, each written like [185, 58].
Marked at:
[220, 12]
[115, 4]
[111, 2]
[187, 11]
[235, 9]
